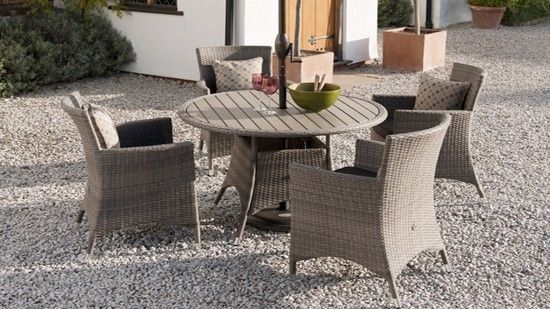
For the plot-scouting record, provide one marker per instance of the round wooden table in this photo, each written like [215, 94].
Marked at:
[252, 115]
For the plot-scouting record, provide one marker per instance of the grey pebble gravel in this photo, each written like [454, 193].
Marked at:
[498, 246]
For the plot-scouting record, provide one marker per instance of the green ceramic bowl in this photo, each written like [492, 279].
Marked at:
[304, 96]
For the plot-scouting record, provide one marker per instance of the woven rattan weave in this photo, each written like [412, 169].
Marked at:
[148, 181]
[455, 160]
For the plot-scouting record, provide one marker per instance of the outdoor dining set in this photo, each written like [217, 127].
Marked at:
[378, 213]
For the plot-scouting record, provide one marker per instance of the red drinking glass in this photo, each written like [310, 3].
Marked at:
[270, 85]
[257, 80]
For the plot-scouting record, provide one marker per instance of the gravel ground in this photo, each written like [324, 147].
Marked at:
[498, 247]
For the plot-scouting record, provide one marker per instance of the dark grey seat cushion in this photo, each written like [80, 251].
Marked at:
[350, 170]
[385, 128]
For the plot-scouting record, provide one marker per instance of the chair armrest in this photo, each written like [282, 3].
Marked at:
[127, 167]
[457, 139]
[415, 120]
[369, 154]
[145, 132]
[316, 192]
[201, 88]
[394, 102]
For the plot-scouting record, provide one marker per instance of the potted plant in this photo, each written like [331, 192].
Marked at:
[305, 64]
[413, 48]
[487, 14]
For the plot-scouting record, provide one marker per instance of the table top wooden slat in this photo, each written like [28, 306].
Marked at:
[255, 100]
[319, 121]
[358, 108]
[248, 110]
[237, 112]
[227, 117]
[209, 115]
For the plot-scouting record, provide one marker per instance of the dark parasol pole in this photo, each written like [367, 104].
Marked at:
[282, 49]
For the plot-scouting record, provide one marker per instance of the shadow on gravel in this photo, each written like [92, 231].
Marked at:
[245, 278]
[42, 174]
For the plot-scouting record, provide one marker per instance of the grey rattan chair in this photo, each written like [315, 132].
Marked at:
[148, 181]
[455, 161]
[219, 144]
[379, 213]
[259, 171]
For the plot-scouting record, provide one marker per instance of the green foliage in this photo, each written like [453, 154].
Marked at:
[87, 8]
[2, 83]
[394, 13]
[58, 47]
[520, 11]
[488, 3]
[38, 6]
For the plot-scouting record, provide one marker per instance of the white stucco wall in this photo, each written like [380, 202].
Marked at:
[444, 12]
[360, 30]
[451, 12]
[257, 24]
[165, 44]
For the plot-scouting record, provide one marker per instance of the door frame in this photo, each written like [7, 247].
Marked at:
[338, 33]
[231, 18]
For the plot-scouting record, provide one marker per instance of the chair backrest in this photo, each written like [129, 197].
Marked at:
[413, 155]
[207, 55]
[84, 126]
[467, 73]
[407, 172]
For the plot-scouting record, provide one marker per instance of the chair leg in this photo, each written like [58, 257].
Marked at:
[292, 266]
[480, 190]
[210, 164]
[91, 243]
[393, 291]
[210, 158]
[79, 216]
[240, 230]
[197, 232]
[444, 257]
[220, 195]
[201, 145]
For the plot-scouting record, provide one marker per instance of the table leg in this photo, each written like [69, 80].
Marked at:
[329, 154]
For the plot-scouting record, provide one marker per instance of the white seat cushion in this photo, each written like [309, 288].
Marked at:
[103, 126]
[76, 99]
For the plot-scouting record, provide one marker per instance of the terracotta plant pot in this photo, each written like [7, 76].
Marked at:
[487, 17]
[310, 63]
[406, 50]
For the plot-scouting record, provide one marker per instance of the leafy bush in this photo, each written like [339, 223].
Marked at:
[2, 84]
[488, 3]
[520, 11]
[58, 47]
[394, 13]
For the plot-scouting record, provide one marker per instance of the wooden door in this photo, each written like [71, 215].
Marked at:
[319, 23]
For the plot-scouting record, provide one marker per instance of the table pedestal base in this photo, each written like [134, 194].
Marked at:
[276, 219]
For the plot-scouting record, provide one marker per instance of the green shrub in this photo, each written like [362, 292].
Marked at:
[489, 3]
[2, 84]
[58, 47]
[520, 11]
[394, 13]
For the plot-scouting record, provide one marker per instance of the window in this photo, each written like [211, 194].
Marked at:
[12, 7]
[152, 6]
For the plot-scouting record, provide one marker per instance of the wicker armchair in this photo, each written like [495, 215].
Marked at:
[259, 171]
[219, 144]
[147, 181]
[455, 161]
[378, 213]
